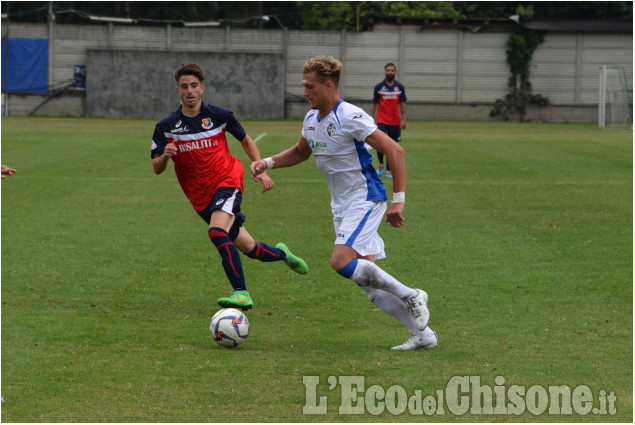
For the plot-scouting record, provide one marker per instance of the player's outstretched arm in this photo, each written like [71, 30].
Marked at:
[395, 155]
[160, 162]
[402, 113]
[292, 156]
[8, 171]
[373, 111]
[253, 153]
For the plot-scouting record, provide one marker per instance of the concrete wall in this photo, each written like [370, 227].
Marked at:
[472, 112]
[67, 104]
[448, 74]
[140, 84]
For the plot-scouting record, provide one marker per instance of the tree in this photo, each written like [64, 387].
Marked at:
[335, 15]
[306, 15]
[521, 45]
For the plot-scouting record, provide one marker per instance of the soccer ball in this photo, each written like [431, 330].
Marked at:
[229, 327]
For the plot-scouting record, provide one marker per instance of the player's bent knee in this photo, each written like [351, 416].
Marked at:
[341, 258]
[246, 247]
[338, 263]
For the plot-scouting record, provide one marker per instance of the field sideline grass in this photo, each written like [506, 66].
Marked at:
[521, 234]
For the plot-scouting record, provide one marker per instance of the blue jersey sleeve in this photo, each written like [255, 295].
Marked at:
[234, 127]
[402, 98]
[158, 141]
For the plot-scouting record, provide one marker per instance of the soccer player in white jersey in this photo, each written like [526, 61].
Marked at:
[339, 135]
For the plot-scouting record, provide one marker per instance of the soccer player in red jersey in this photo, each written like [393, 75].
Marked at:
[193, 136]
[389, 102]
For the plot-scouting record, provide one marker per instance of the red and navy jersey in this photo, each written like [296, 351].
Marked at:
[203, 162]
[388, 97]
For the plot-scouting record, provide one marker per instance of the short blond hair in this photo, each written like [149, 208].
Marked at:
[328, 68]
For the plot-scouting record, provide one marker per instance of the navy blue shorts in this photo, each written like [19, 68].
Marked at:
[393, 131]
[227, 199]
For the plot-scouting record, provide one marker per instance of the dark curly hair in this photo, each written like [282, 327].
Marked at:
[189, 68]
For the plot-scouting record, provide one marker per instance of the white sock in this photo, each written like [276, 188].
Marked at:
[427, 332]
[368, 273]
[392, 305]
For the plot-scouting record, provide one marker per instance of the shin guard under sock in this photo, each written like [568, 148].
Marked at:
[367, 273]
[266, 253]
[230, 257]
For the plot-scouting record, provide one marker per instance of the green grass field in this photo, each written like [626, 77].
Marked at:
[521, 234]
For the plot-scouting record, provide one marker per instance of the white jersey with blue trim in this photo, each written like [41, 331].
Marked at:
[337, 142]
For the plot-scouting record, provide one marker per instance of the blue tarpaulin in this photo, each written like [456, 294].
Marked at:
[25, 65]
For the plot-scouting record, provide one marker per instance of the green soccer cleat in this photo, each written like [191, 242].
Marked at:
[239, 299]
[296, 264]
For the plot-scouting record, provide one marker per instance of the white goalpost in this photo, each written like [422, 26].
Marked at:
[615, 102]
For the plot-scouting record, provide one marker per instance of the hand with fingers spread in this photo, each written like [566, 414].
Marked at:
[8, 171]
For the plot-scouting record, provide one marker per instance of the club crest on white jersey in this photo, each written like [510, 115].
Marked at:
[330, 130]
[337, 144]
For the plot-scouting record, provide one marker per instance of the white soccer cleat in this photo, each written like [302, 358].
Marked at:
[416, 342]
[418, 308]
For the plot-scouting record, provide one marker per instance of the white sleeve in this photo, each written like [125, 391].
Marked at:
[359, 124]
[307, 118]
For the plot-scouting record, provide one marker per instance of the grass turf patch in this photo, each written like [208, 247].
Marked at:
[520, 233]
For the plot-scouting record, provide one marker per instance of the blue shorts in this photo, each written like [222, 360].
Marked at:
[393, 131]
[227, 199]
